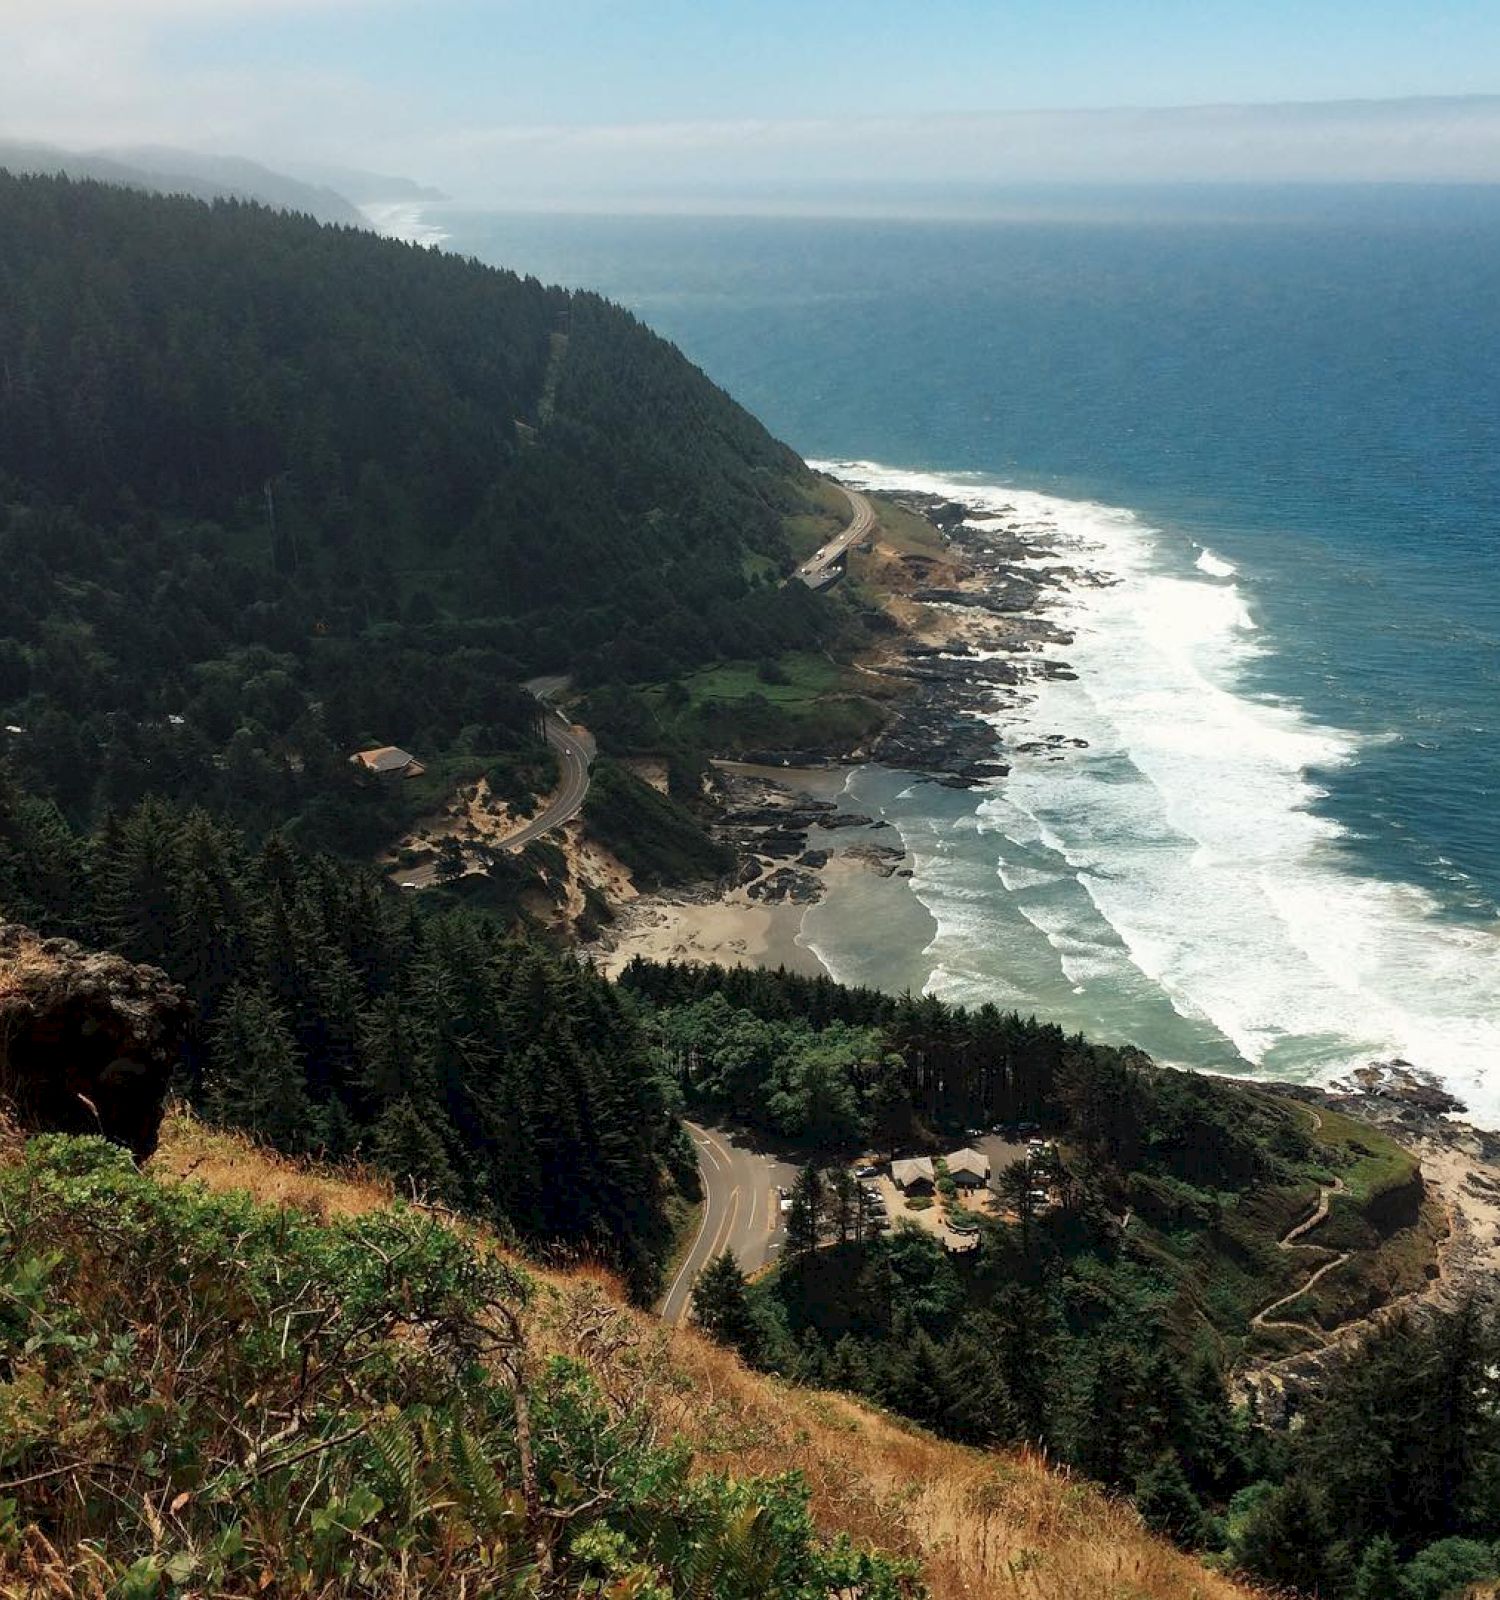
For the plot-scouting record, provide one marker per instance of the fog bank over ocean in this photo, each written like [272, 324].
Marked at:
[1274, 416]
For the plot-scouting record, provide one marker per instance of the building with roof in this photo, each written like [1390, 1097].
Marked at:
[388, 762]
[969, 1168]
[914, 1176]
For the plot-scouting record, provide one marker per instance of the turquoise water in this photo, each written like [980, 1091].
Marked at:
[1274, 421]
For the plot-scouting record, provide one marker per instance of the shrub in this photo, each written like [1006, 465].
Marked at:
[204, 1396]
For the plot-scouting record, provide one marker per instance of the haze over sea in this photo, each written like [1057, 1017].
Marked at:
[1274, 418]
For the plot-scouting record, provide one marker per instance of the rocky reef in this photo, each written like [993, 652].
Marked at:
[87, 1041]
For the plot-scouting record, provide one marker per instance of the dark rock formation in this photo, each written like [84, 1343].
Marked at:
[87, 1041]
[800, 888]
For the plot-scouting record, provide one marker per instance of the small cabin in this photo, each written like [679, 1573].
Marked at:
[388, 762]
[969, 1168]
[914, 1176]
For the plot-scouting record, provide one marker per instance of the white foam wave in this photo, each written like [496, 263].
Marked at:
[405, 220]
[1182, 848]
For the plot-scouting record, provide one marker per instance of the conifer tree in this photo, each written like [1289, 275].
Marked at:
[1379, 1573]
[721, 1306]
[408, 1145]
[1285, 1540]
[804, 1222]
[1167, 1503]
[256, 1080]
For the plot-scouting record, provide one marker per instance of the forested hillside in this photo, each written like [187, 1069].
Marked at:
[1100, 1314]
[270, 490]
[330, 1017]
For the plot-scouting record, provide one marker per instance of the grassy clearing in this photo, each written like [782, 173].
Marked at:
[1370, 1163]
[806, 679]
[905, 531]
[827, 514]
[800, 700]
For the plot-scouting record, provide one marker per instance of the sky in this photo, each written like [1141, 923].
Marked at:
[536, 100]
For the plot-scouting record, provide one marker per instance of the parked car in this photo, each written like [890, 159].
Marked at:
[867, 1172]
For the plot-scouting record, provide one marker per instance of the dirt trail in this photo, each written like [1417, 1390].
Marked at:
[1289, 1241]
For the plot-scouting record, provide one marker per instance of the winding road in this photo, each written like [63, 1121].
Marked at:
[816, 570]
[575, 755]
[741, 1211]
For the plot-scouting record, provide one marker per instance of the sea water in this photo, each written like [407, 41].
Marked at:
[1271, 421]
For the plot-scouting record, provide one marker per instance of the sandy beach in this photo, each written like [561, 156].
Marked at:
[734, 932]
[734, 928]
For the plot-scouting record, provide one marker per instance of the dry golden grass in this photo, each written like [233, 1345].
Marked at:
[222, 1162]
[981, 1524]
[25, 966]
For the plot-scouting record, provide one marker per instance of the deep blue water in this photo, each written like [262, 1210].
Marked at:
[1307, 384]
[1317, 396]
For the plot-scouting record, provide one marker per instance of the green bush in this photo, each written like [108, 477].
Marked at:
[199, 1393]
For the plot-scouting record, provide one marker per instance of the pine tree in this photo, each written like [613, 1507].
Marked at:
[1167, 1503]
[1014, 1185]
[721, 1306]
[1285, 1540]
[804, 1222]
[256, 1080]
[408, 1145]
[133, 878]
[1379, 1574]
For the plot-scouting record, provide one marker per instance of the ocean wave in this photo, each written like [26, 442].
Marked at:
[1182, 852]
[405, 220]
[1215, 566]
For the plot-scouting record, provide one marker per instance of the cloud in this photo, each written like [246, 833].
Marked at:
[1436, 140]
[87, 74]
[90, 74]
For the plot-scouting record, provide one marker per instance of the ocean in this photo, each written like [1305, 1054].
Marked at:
[1272, 420]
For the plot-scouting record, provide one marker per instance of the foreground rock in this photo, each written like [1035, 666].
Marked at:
[87, 1041]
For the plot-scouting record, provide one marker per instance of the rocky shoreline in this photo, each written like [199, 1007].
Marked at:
[976, 619]
[970, 620]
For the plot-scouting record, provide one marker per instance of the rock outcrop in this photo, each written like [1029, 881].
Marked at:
[87, 1041]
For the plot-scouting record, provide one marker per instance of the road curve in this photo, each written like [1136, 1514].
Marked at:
[741, 1211]
[862, 519]
[574, 758]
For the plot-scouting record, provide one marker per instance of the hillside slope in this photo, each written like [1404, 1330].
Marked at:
[974, 1520]
[271, 491]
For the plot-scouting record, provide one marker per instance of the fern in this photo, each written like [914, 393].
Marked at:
[495, 1511]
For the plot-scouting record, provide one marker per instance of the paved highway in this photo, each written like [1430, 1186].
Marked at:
[741, 1211]
[862, 520]
[574, 757]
